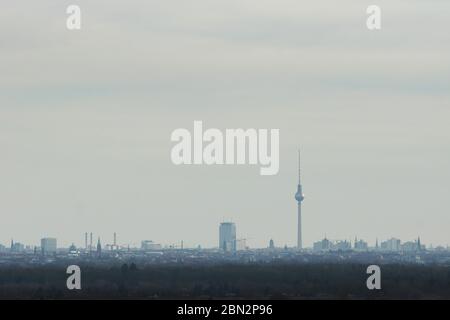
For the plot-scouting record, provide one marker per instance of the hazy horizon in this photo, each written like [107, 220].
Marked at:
[86, 118]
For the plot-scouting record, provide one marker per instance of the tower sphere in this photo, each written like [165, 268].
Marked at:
[299, 197]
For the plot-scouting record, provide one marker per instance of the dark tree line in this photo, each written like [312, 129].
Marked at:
[275, 281]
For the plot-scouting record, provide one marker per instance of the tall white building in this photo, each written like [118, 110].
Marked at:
[392, 244]
[227, 236]
[48, 245]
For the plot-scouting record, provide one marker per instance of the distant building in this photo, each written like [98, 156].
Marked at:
[241, 244]
[341, 245]
[99, 248]
[392, 244]
[323, 245]
[150, 245]
[271, 244]
[73, 251]
[227, 236]
[413, 246]
[361, 245]
[409, 246]
[115, 246]
[327, 245]
[16, 246]
[48, 245]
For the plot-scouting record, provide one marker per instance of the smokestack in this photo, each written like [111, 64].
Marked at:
[115, 239]
[85, 241]
[90, 244]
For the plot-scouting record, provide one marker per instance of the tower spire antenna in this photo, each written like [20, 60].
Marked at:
[299, 167]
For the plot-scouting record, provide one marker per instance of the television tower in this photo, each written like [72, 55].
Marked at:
[299, 197]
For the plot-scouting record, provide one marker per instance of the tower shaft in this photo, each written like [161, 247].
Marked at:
[299, 226]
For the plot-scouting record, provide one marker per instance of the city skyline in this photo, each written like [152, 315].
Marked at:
[85, 125]
[229, 237]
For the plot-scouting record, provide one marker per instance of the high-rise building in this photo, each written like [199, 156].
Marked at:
[150, 245]
[342, 245]
[299, 197]
[17, 246]
[99, 248]
[227, 236]
[48, 245]
[392, 244]
[271, 244]
[413, 245]
[323, 245]
[361, 245]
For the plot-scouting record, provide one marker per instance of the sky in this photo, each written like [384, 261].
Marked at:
[86, 118]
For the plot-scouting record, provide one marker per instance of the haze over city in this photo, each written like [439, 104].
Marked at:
[86, 118]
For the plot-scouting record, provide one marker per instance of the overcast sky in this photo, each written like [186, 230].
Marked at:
[86, 118]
